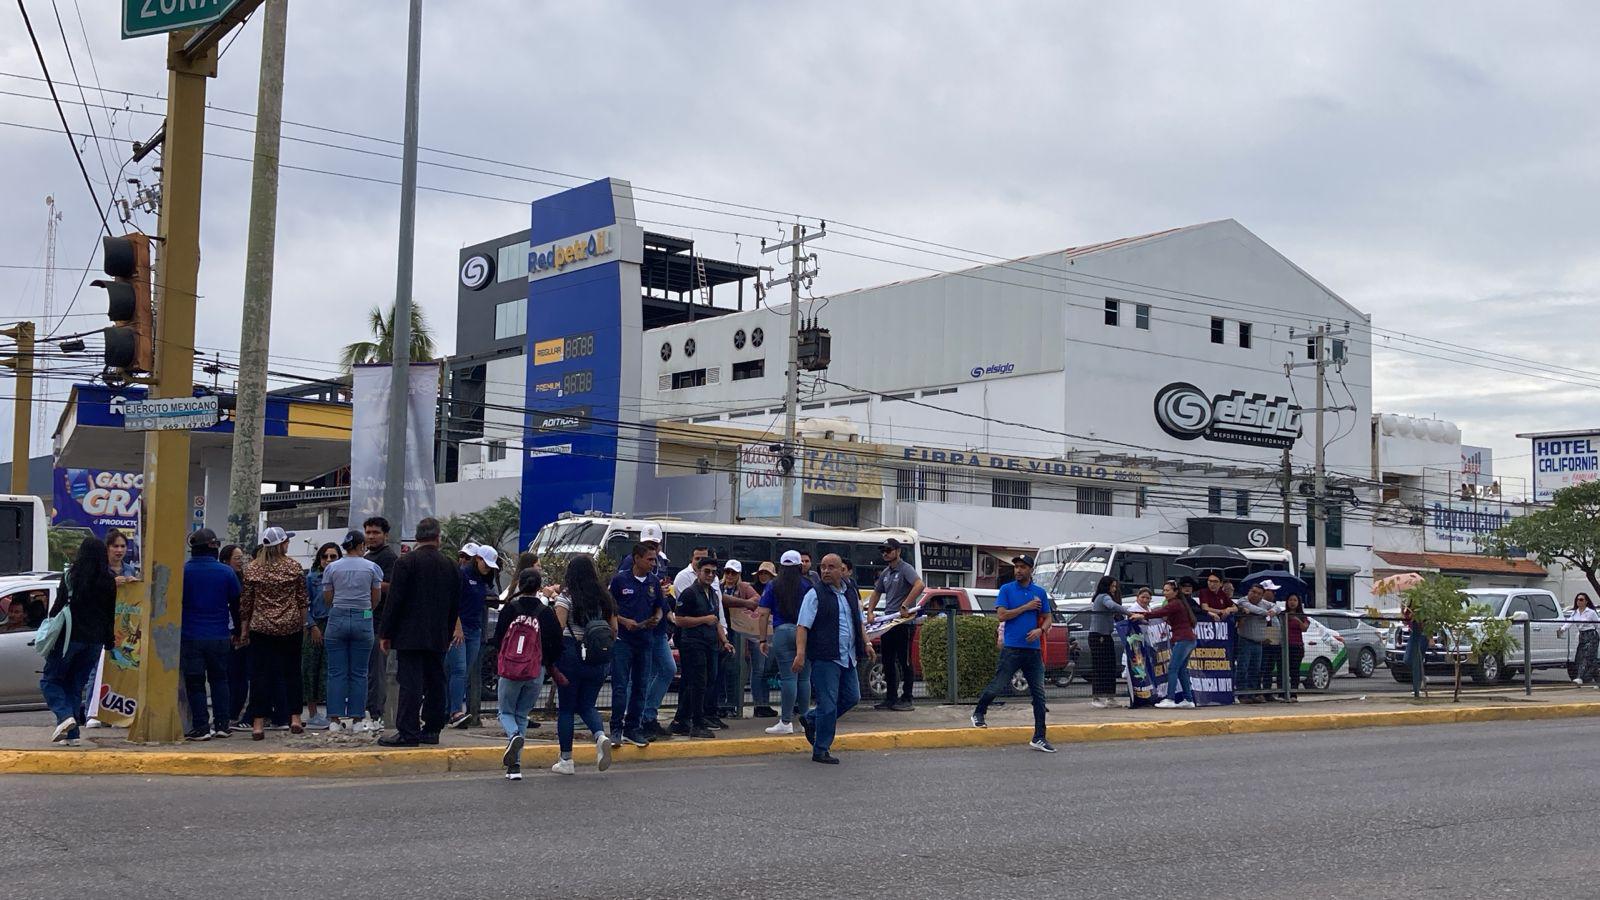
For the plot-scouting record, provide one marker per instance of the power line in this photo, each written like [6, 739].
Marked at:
[62, 113]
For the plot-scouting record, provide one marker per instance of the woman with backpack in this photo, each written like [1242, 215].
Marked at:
[587, 616]
[781, 604]
[528, 638]
[89, 599]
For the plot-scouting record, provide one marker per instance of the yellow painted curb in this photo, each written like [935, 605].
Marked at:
[354, 763]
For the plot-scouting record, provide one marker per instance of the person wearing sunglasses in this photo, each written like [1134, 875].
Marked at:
[1588, 620]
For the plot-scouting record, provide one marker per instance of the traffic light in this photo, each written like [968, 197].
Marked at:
[130, 345]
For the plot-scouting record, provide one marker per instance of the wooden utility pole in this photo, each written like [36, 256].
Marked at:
[22, 407]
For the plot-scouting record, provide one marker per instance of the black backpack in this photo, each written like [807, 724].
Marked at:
[594, 644]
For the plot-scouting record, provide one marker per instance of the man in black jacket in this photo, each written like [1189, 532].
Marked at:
[420, 622]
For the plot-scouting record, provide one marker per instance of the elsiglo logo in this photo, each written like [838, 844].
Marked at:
[1258, 537]
[476, 272]
[1185, 412]
[996, 369]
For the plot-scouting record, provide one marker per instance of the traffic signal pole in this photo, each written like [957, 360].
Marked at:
[22, 407]
[166, 453]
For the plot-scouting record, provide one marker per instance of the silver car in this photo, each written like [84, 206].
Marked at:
[19, 664]
[1363, 642]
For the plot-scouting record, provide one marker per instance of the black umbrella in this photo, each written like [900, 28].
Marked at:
[1213, 556]
[1287, 582]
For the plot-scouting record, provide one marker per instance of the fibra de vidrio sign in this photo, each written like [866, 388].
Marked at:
[1237, 417]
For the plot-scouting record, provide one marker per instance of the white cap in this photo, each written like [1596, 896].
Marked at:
[274, 536]
[789, 558]
[650, 532]
[733, 565]
[1269, 585]
[470, 548]
[486, 553]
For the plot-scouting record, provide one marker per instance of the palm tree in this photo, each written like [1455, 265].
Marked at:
[381, 349]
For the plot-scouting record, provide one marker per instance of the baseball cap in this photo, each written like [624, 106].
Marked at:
[789, 558]
[1270, 585]
[274, 536]
[1023, 560]
[353, 538]
[203, 537]
[890, 544]
[488, 554]
[733, 565]
[650, 532]
[470, 548]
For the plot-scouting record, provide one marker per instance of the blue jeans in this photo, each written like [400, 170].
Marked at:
[205, 660]
[1178, 672]
[66, 674]
[577, 697]
[1247, 665]
[1416, 655]
[662, 669]
[515, 700]
[1031, 662]
[794, 691]
[630, 666]
[760, 691]
[348, 649]
[837, 690]
[458, 663]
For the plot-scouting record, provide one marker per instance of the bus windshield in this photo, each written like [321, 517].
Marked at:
[569, 538]
[1081, 569]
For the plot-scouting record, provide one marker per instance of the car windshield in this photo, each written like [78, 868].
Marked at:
[1081, 570]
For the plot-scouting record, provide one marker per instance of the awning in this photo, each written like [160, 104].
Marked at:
[1464, 563]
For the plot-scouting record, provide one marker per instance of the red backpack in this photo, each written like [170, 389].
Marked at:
[521, 652]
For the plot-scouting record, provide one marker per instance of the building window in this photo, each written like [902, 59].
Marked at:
[1218, 330]
[1010, 493]
[688, 379]
[1093, 501]
[1112, 311]
[497, 451]
[919, 483]
[1141, 316]
[1244, 335]
[1338, 350]
[754, 368]
[939, 391]
[1311, 348]
[511, 318]
[1241, 503]
[512, 262]
[1335, 525]
[1214, 501]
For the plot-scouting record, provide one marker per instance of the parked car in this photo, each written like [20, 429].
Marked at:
[1547, 647]
[1326, 654]
[1363, 641]
[1060, 654]
[20, 665]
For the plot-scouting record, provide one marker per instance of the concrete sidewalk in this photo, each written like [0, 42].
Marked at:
[26, 749]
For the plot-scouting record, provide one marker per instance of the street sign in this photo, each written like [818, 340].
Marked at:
[146, 17]
[170, 414]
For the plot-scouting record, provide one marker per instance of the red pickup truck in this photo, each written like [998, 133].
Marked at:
[1060, 653]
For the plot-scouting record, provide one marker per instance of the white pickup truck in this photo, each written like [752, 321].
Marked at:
[1548, 648]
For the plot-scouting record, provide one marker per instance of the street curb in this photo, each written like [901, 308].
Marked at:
[361, 763]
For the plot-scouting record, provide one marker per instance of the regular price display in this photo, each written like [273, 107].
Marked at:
[577, 383]
[578, 346]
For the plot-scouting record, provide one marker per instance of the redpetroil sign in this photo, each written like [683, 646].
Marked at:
[572, 253]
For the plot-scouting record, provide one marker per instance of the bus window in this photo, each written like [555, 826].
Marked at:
[845, 551]
[619, 546]
[1133, 572]
[678, 548]
[752, 552]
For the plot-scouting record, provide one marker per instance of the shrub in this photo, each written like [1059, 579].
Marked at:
[976, 655]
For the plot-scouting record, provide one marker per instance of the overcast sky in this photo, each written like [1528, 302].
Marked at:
[1433, 163]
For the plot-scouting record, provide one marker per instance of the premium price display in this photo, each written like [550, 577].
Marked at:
[577, 382]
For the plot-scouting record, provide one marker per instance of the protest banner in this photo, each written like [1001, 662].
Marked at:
[1148, 649]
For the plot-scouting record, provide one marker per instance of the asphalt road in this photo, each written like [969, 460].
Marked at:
[1452, 811]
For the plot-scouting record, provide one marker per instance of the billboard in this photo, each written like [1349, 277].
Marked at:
[1563, 461]
[369, 444]
[761, 483]
[1459, 527]
[97, 501]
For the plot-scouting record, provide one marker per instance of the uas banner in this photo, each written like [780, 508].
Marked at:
[1149, 651]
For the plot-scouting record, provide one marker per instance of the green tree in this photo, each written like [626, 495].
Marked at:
[496, 525]
[1567, 531]
[381, 348]
[63, 545]
[1468, 632]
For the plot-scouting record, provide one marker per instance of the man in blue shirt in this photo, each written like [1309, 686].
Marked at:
[1024, 610]
[210, 627]
[832, 636]
[641, 605]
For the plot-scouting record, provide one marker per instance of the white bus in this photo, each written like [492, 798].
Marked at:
[751, 545]
[1071, 571]
[24, 533]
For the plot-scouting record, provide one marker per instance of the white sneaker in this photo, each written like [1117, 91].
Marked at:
[368, 726]
[71, 742]
[1187, 704]
[564, 767]
[602, 752]
[60, 734]
[1166, 704]
[1098, 703]
[781, 728]
[1576, 681]
[335, 726]
[94, 723]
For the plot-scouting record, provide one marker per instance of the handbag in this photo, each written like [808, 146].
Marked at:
[55, 628]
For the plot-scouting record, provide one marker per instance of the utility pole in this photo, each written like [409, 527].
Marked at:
[798, 272]
[394, 482]
[255, 328]
[1319, 492]
[1288, 519]
[22, 407]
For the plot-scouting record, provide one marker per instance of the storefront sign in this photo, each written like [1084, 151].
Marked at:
[99, 502]
[761, 483]
[477, 271]
[1563, 462]
[840, 473]
[946, 557]
[1187, 413]
[1000, 463]
[1461, 527]
[571, 253]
